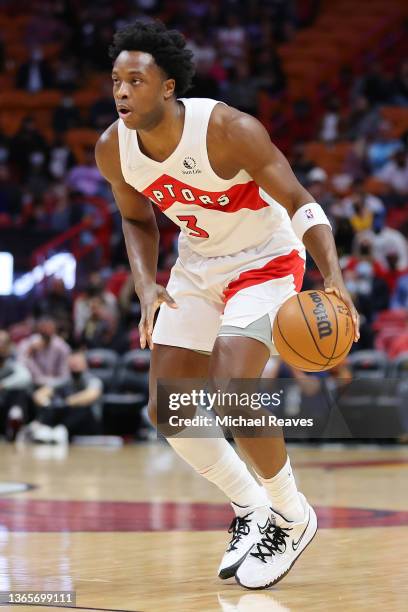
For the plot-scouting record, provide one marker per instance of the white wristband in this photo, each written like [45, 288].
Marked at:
[306, 216]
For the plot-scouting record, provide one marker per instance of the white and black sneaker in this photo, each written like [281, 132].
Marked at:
[244, 529]
[279, 544]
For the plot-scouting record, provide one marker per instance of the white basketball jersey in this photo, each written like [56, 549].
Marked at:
[217, 217]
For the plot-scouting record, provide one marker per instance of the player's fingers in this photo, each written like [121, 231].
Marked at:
[143, 325]
[167, 299]
[356, 322]
[349, 303]
[151, 311]
[334, 290]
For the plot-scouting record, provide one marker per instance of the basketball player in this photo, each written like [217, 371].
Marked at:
[245, 222]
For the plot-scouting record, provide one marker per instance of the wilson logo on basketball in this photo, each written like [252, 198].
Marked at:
[324, 326]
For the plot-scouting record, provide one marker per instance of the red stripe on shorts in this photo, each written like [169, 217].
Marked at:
[275, 268]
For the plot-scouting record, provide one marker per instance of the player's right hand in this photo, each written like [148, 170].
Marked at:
[150, 302]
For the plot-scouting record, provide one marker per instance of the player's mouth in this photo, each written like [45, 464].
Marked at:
[124, 111]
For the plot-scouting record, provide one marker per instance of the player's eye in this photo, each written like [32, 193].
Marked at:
[136, 81]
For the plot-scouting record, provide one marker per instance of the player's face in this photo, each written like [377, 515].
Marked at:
[140, 89]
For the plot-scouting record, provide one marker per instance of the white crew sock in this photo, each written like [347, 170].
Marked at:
[283, 494]
[216, 460]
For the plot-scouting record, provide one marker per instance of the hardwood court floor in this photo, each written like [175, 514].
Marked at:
[134, 529]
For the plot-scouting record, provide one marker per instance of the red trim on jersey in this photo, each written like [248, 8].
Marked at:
[275, 268]
[237, 197]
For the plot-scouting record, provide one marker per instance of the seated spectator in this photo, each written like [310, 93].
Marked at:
[364, 253]
[85, 178]
[361, 218]
[36, 74]
[66, 115]
[399, 298]
[376, 85]
[330, 124]
[66, 73]
[317, 185]
[362, 121]
[99, 327]
[269, 73]
[241, 88]
[56, 302]
[232, 41]
[26, 142]
[15, 381]
[300, 163]
[61, 158]
[385, 241]
[383, 147]
[369, 292]
[393, 272]
[82, 305]
[45, 354]
[346, 207]
[395, 174]
[356, 163]
[103, 111]
[68, 409]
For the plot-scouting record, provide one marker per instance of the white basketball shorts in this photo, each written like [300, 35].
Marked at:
[232, 290]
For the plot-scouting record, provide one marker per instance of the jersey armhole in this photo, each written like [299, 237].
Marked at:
[204, 154]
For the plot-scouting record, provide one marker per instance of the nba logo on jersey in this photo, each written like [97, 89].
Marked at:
[309, 213]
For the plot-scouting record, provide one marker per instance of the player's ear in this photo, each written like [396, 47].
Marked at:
[169, 88]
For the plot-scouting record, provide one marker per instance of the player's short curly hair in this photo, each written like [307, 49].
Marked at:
[168, 47]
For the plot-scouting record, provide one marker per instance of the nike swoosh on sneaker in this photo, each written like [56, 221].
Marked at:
[267, 526]
[295, 545]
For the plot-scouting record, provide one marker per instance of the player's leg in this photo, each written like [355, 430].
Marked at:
[178, 335]
[245, 357]
[292, 523]
[213, 457]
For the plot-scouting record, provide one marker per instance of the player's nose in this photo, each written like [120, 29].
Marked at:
[123, 91]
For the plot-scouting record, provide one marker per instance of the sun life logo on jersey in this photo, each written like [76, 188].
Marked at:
[190, 166]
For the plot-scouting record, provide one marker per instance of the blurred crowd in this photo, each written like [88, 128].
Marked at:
[45, 187]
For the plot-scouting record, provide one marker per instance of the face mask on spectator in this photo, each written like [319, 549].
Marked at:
[364, 270]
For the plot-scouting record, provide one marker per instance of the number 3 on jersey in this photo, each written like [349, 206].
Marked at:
[191, 221]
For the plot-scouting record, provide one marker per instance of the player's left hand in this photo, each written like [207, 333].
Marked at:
[339, 289]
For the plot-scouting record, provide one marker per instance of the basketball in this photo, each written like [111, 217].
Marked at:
[313, 331]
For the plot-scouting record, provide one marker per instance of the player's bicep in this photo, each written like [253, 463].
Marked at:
[266, 164]
[132, 204]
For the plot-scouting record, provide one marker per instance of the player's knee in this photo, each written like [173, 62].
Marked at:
[152, 412]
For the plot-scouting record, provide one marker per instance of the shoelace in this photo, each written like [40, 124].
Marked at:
[239, 527]
[274, 541]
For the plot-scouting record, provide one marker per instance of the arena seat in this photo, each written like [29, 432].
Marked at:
[129, 394]
[399, 366]
[137, 360]
[103, 363]
[368, 364]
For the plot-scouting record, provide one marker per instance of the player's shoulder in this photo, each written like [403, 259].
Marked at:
[230, 125]
[108, 140]
[107, 151]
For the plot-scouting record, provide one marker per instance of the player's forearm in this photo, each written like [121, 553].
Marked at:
[319, 242]
[142, 245]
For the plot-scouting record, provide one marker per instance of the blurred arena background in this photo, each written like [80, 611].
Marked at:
[329, 80]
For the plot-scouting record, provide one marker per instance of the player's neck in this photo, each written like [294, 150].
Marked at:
[160, 141]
